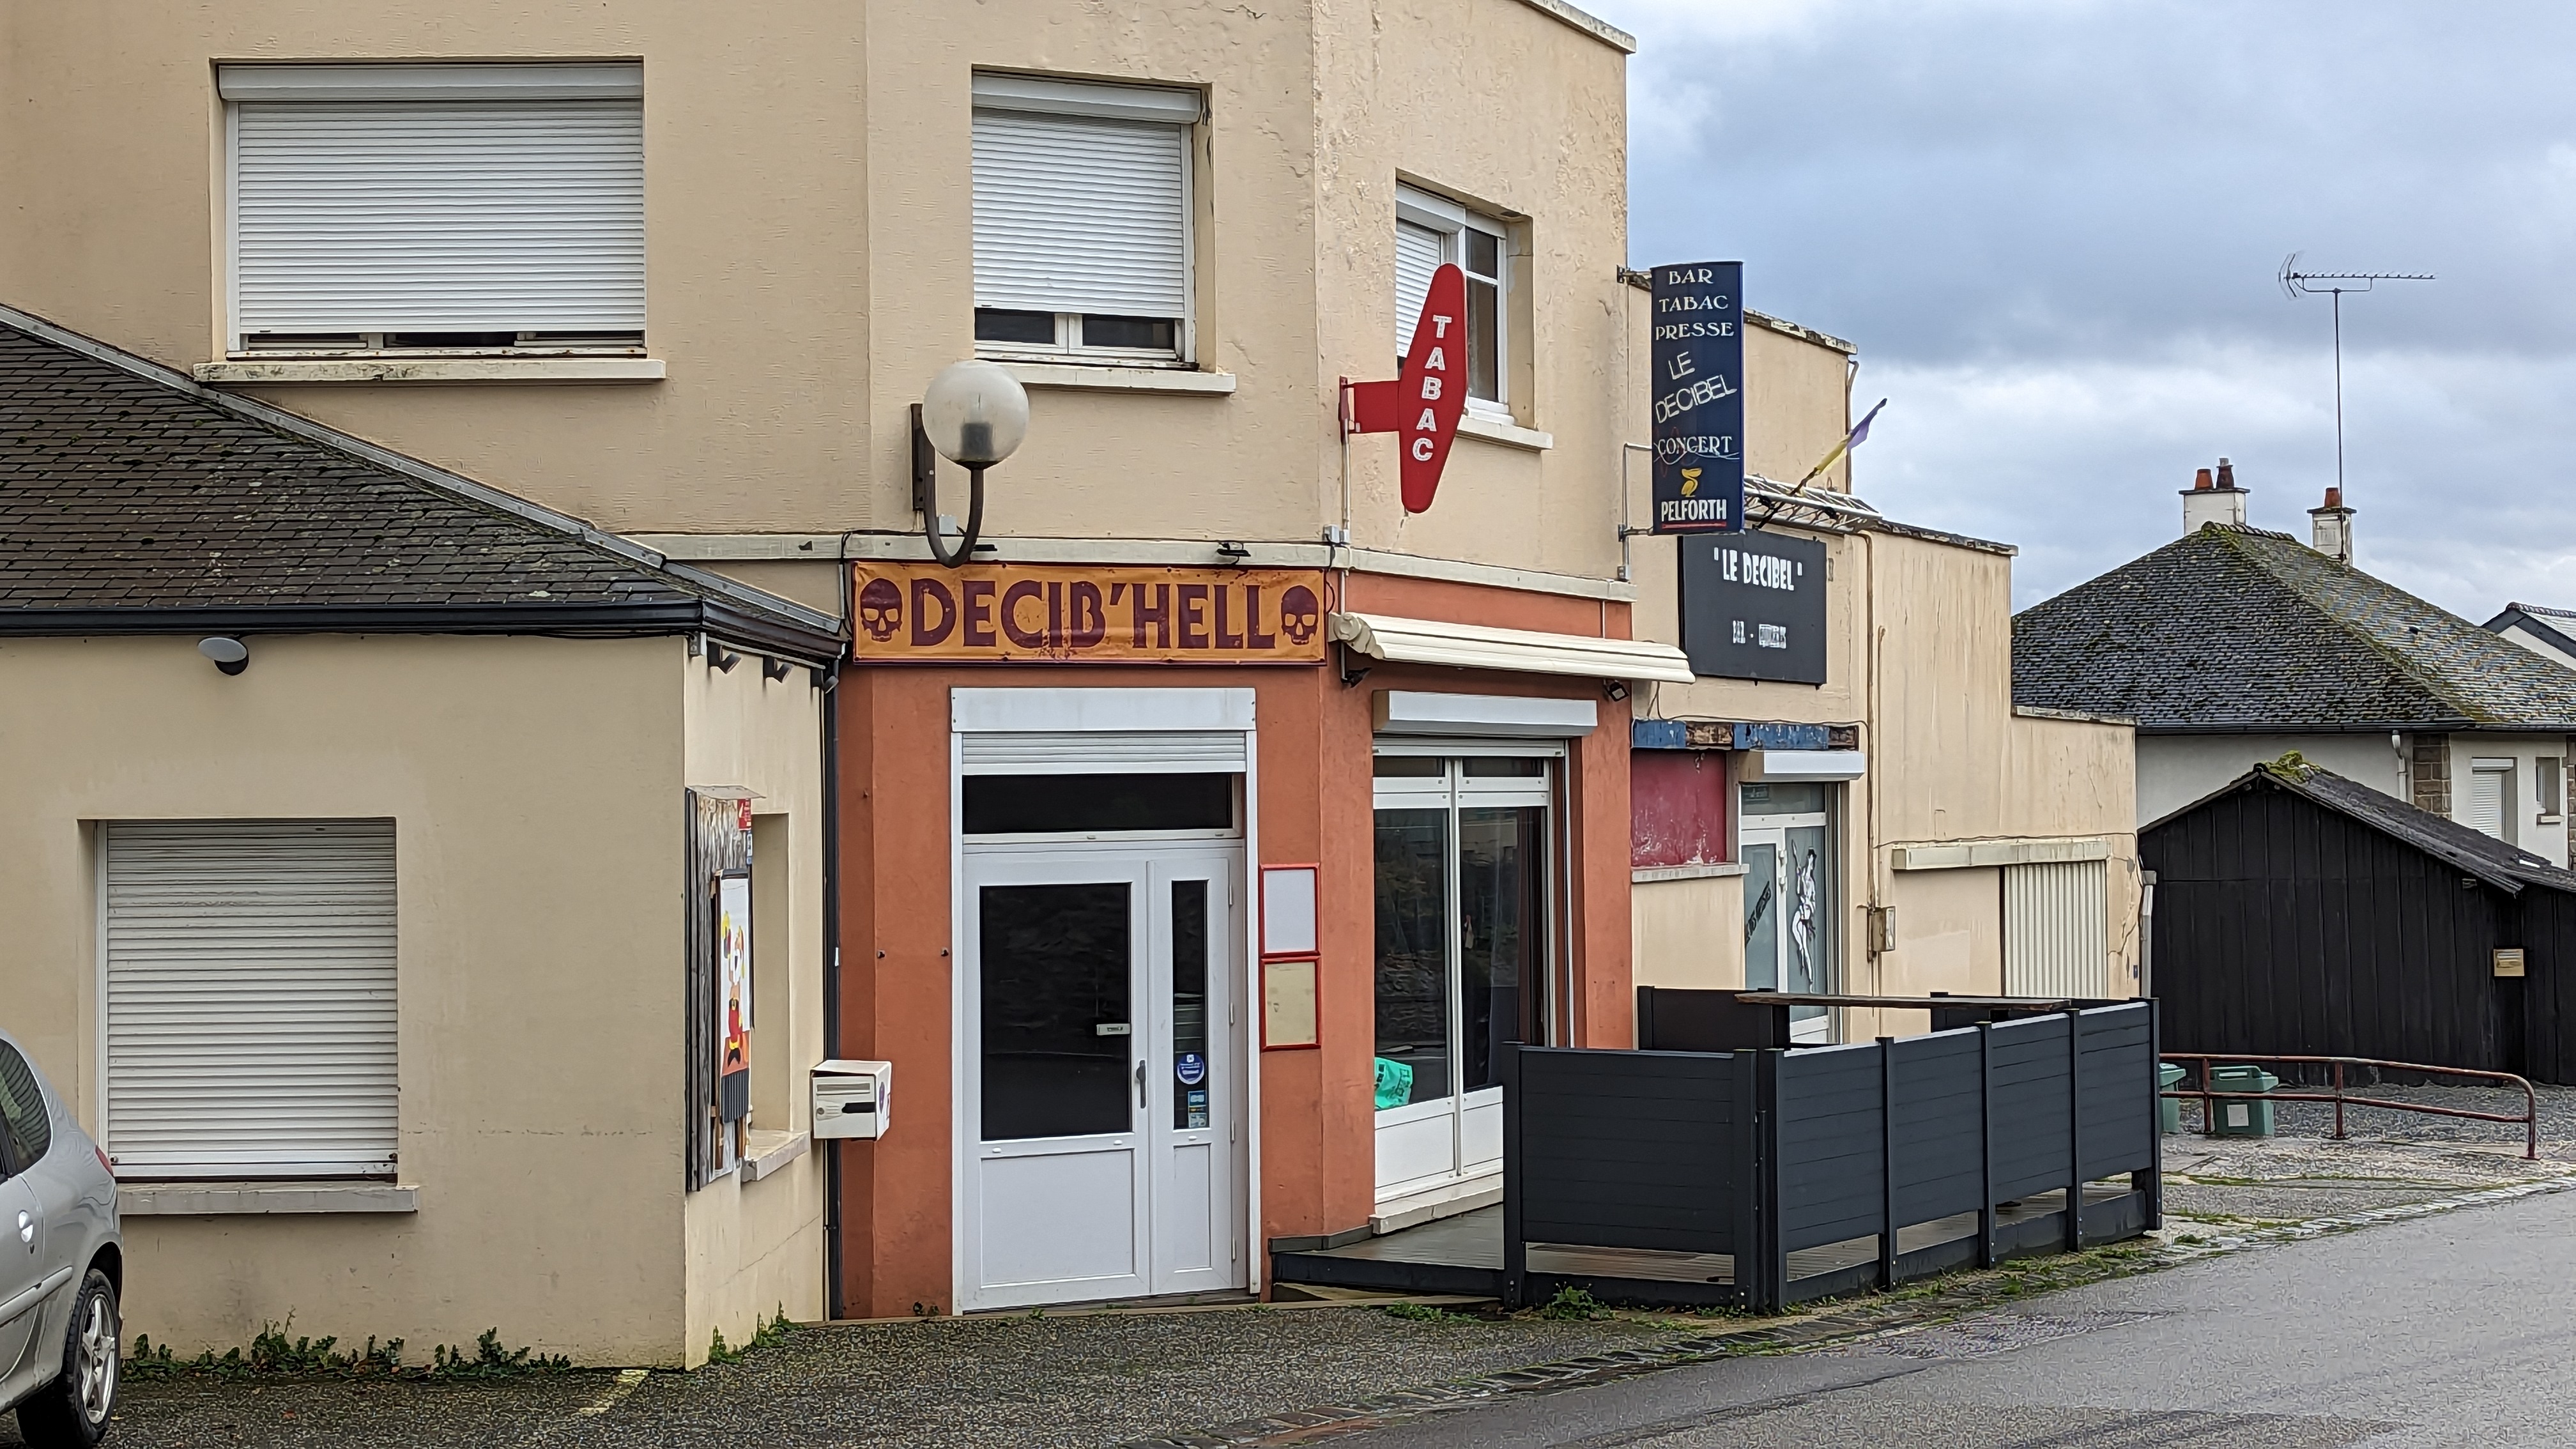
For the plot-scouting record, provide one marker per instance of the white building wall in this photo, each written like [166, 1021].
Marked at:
[2543, 834]
[2175, 770]
[2537, 645]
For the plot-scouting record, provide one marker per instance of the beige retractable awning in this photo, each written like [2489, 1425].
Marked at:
[1524, 651]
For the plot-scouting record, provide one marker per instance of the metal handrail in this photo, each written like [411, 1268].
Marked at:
[2530, 1118]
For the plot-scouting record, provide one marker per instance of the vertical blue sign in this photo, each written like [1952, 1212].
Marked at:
[1698, 398]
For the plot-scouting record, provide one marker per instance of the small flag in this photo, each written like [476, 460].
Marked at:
[1859, 435]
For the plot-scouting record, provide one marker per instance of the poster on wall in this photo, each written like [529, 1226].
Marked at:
[1753, 607]
[733, 992]
[1698, 397]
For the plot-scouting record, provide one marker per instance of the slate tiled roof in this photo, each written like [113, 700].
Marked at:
[2245, 629]
[2474, 851]
[132, 497]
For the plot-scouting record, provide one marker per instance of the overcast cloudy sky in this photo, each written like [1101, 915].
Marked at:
[2053, 227]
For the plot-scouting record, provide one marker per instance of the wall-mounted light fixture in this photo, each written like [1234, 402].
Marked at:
[231, 655]
[974, 414]
[721, 659]
[772, 667]
[1614, 690]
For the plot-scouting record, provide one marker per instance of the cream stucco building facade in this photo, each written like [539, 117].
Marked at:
[695, 342]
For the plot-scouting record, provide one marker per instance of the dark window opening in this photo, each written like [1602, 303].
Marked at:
[993, 324]
[1155, 334]
[1058, 804]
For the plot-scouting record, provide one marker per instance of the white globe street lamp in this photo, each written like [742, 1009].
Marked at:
[974, 414]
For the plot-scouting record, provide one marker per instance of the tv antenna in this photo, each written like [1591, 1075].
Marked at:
[2296, 284]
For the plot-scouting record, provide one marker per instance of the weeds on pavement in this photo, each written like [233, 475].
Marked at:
[273, 1355]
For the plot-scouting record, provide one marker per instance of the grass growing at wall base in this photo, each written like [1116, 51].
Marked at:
[767, 1333]
[273, 1355]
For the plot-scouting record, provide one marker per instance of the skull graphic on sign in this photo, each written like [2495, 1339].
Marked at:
[1299, 614]
[880, 609]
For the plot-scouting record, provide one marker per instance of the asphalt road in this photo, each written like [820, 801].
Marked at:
[2454, 1330]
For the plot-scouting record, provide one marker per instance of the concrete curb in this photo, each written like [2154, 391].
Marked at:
[1862, 1320]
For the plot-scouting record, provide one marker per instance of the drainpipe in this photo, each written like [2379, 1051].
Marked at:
[833, 1304]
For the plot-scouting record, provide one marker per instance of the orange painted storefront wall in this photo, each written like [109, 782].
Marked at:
[1316, 1148]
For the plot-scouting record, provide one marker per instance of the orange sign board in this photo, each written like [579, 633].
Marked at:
[1016, 613]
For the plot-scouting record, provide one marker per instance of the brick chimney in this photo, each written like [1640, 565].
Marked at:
[2332, 527]
[2219, 501]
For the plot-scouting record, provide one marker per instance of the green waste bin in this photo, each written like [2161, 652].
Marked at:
[2239, 1117]
[2169, 1109]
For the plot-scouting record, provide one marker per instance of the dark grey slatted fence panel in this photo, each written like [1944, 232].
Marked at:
[1831, 1141]
[1625, 1149]
[1939, 1130]
[2030, 1106]
[2118, 1091]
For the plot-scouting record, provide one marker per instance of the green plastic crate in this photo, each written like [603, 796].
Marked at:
[2239, 1117]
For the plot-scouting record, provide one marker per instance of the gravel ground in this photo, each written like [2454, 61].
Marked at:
[1099, 1379]
[2316, 1119]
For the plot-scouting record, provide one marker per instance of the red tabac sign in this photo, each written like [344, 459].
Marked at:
[1017, 613]
[1424, 401]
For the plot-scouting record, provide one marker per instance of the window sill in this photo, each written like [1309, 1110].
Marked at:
[1648, 874]
[1121, 379]
[771, 1152]
[432, 369]
[1510, 435]
[228, 1199]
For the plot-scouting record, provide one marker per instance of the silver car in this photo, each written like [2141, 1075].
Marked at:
[62, 1264]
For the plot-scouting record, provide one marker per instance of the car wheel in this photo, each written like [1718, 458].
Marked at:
[72, 1411]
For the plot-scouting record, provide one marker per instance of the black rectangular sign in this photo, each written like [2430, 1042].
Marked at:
[1698, 398]
[1753, 607]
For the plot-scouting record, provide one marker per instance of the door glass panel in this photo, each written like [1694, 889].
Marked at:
[1763, 799]
[1501, 934]
[1056, 1023]
[1761, 916]
[1409, 767]
[1052, 804]
[1808, 913]
[1191, 1071]
[1412, 956]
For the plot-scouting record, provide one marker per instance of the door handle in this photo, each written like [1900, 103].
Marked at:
[1140, 1094]
[27, 1225]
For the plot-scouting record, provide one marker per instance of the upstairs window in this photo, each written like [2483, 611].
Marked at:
[1431, 230]
[1082, 221]
[435, 208]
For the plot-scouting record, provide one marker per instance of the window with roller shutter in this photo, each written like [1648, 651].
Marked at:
[1432, 230]
[251, 1023]
[435, 208]
[1082, 221]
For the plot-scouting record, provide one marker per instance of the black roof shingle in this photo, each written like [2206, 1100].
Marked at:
[2242, 629]
[134, 500]
[2496, 862]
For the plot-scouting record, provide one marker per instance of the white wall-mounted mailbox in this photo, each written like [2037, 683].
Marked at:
[850, 1098]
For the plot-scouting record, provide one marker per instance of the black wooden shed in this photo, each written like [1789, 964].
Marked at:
[2298, 912]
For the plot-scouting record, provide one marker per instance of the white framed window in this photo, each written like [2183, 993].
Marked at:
[1431, 230]
[434, 209]
[249, 1013]
[1082, 221]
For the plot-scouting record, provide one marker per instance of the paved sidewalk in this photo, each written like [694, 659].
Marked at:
[1244, 1376]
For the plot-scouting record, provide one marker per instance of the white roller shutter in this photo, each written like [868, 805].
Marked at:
[250, 998]
[2057, 937]
[434, 215]
[1081, 214]
[1419, 251]
[2490, 798]
[1103, 752]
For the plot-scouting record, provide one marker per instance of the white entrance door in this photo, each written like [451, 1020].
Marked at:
[1464, 952]
[1786, 842]
[1101, 1124]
